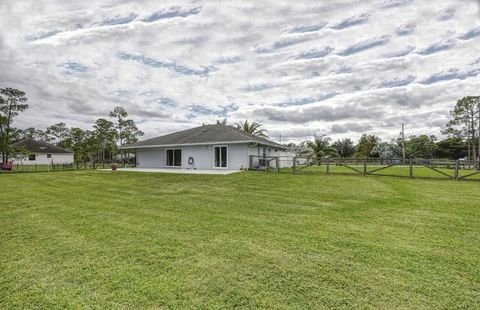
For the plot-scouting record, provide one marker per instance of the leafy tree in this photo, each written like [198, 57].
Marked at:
[344, 147]
[57, 133]
[32, 133]
[82, 143]
[127, 131]
[252, 128]
[420, 146]
[119, 115]
[321, 147]
[12, 102]
[366, 145]
[105, 134]
[130, 133]
[453, 148]
[385, 150]
[465, 122]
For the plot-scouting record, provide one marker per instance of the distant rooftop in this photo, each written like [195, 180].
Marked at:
[35, 146]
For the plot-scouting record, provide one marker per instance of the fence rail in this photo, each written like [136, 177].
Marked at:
[411, 168]
[52, 167]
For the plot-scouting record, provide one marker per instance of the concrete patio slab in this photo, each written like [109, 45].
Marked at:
[181, 171]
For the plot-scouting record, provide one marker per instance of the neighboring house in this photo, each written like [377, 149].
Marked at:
[42, 153]
[207, 147]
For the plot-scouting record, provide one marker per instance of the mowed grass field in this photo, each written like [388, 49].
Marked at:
[100, 239]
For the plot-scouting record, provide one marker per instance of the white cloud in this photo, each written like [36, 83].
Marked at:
[299, 67]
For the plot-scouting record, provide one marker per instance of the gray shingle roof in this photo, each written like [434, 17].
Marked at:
[217, 133]
[39, 147]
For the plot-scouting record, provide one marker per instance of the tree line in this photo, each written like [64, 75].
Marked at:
[462, 131]
[100, 143]
[421, 146]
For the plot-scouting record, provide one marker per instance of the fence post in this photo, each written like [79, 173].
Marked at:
[410, 169]
[85, 164]
[328, 165]
[294, 164]
[456, 169]
[35, 166]
[365, 166]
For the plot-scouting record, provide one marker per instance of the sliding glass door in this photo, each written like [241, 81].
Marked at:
[220, 159]
[174, 158]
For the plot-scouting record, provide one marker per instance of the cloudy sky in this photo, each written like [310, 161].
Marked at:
[338, 68]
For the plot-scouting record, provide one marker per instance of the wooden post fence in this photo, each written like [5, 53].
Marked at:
[410, 169]
[457, 164]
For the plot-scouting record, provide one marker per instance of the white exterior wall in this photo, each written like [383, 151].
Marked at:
[237, 156]
[41, 159]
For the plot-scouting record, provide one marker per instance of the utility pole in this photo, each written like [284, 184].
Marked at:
[280, 139]
[403, 144]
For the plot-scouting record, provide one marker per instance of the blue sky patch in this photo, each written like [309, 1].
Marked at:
[43, 35]
[307, 100]
[451, 74]
[471, 34]
[257, 87]
[365, 45]
[405, 30]
[397, 82]
[307, 28]
[446, 14]
[315, 53]
[394, 3]
[119, 20]
[352, 21]
[171, 12]
[166, 65]
[223, 111]
[438, 47]
[73, 67]
[165, 102]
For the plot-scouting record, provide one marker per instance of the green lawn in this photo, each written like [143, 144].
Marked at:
[93, 239]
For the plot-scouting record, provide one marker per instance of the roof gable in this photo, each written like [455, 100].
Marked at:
[205, 134]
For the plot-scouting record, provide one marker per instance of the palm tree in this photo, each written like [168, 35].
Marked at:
[252, 128]
[321, 147]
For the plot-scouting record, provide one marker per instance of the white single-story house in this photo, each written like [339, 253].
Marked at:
[42, 153]
[209, 147]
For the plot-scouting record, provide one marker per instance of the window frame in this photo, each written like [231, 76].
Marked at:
[173, 159]
[30, 156]
[226, 153]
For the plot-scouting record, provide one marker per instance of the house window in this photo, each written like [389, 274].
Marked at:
[220, 157]
[32, 157]
[49, 155]
[174, 158]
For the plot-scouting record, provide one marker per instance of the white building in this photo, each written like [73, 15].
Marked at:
[41, 153]
[210, 147]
